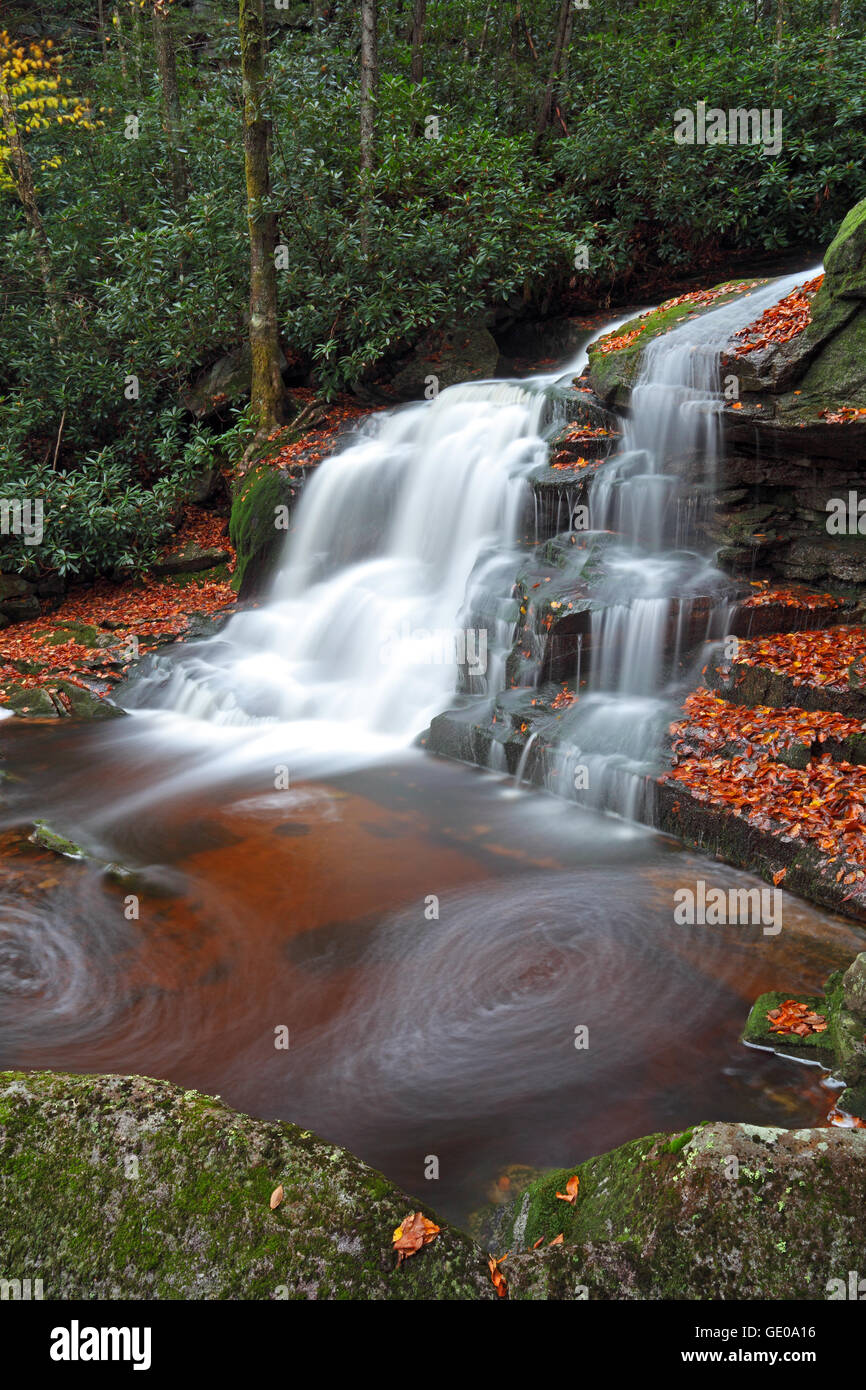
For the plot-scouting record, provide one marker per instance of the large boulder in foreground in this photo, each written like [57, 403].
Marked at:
[721, 1211]
[123, 1187]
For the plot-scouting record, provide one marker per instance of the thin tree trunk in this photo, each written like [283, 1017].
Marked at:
[120, 44]
[136, 40]
[101, 13]
[556, 61]
[27, 193]
[171, 115]
[369, 84]
[418, 18]
[835, 15]
[267, 397]
[483, 40]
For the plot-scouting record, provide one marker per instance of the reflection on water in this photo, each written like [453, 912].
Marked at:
[431, 944]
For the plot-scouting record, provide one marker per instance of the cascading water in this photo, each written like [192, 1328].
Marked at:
[396, 586]
[663, 598]
[399, 541]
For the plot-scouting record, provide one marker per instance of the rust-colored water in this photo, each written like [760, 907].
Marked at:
[411, 1034]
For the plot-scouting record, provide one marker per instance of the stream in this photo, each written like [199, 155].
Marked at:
[462, 969]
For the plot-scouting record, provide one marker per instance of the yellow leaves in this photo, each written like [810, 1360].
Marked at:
[277, 1196]
[413, 1232]
[571, 1190]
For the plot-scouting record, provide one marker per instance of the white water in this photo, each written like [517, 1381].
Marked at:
[402, 537]
[394, 540]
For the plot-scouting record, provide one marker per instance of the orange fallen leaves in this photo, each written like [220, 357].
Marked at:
[824, 802]
[414, 1231]
[276, 1197]
[819, 657]
[792, 1017]
[791, 598]
[844, 415]
[782, 321]
[712, 723]
[571, 1190]
[496, 1274]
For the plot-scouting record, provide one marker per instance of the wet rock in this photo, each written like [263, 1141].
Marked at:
[124, 1187]
[254, 526]
[46, 838]
[226, 382]
[190, 559]
[449, 357]
[854, 986]
[18, 600]
[720, 1211]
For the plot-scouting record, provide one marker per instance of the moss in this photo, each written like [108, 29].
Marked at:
[702, 1214]
[150, 1192]
[253, 529]
[611, 374]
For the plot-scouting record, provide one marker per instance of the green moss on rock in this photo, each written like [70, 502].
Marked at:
[612, 373]
[722, 1211]
[255, 535]
[126, 1187]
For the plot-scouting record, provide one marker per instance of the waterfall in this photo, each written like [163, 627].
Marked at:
[395, 590]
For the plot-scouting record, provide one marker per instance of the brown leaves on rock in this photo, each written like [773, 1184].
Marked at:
[790, 598]
[782, 321]
[824, 802]
[793, 1017]
[844, 415]
[712, 723]
[571, 1190]
[414, 1231]
[276, 1197]
[820, 657]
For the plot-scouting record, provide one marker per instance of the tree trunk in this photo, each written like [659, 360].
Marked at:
[418, 18]
[267, 397]
[101, 13]
[118, 26]
[835, 15]
[369, 84]
[171, 116]
[558, 50]
[27, 193]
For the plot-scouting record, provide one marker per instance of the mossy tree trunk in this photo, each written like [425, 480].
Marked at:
[268, 398]
[163, 44]
[26, 190]
[369, 84]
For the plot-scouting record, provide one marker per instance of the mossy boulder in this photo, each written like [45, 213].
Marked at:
[718, 1211]
[124, 1187]
[841, 1047]
[845, 260]
[255, 526]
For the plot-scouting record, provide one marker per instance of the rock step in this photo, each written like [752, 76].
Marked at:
[758, 685]
[797, 865]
